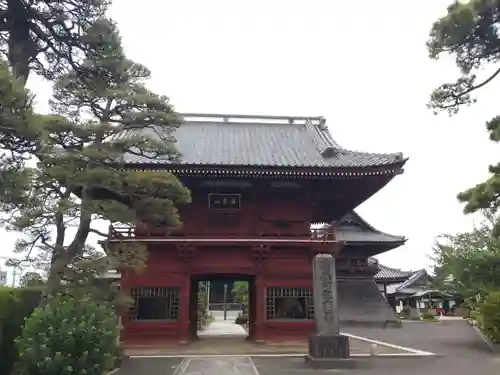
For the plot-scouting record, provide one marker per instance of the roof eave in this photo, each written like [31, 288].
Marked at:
[395, 238]
[390, 279]
[412, 279]
[387, 170]
[395, 242]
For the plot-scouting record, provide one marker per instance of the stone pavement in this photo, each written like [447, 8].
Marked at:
[220, 327]
[218, 315]
[462, 349]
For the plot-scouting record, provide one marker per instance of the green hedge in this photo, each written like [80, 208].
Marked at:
[241, 319]
[16, 304]
[69, 336]
[489, 316]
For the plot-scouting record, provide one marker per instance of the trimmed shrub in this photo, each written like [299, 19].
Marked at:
[69, 336]
[16, 304]
[428, 316]
[490, 316]
[241, 319]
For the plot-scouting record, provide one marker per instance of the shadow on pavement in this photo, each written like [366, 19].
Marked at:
[149, 366]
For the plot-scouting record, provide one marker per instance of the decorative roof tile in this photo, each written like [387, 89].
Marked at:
[270, 141]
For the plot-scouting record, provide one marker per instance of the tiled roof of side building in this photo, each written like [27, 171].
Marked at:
[270, 141]
[352, 228]
[385, 273]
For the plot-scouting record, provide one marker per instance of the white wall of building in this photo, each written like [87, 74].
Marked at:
[3, 278]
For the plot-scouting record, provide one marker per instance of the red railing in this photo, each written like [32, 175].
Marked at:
[317, 234]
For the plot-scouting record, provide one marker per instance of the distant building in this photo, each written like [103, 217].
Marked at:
[3, 278]
[398, 286]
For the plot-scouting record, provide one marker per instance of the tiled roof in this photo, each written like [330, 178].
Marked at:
[353, 228]
[414, 278]
[390, 273]
[259, 141]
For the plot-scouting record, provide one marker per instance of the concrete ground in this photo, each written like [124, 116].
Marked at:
[218, 315]
[462, 350]
[220, 327]
[224, 336]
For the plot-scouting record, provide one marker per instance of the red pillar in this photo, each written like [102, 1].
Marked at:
[193, 310]
[259, 324]
[184, 307]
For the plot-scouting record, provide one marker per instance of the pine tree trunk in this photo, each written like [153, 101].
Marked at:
[57, 270]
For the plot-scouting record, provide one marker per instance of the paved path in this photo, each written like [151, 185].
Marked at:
[223, 328]
[218, 315]
[463, 353]
[217, 366]
[220, 327]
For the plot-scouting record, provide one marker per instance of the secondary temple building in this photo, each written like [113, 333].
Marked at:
[268, 194]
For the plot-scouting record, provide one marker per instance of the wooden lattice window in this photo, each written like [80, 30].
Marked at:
[289, 303]
[155, 304]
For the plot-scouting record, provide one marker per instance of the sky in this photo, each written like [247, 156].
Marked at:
[363, 65]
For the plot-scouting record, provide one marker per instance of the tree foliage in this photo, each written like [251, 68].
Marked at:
[240, 291]
[17, 119]
[16, 305]
[47, 37]
[81, 177]
[31, 279]
[469, 263]
[470, 33]
[490, 316]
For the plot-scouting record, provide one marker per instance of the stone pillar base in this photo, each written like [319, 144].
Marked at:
[329, 346]
[329, 351]
[414, 313]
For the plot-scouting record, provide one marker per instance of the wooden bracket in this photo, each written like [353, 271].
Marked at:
[260, 253]
[358, 265]
[186, 253]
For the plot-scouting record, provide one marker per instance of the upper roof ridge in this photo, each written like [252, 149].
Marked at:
[251, 119]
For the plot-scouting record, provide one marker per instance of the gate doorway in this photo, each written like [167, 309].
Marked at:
[222, 306]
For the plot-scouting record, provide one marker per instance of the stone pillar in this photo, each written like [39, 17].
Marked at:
[414, 308]
[327, 347]
[325, 295]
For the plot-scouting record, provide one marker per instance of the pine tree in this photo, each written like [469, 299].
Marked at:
[48, 38]
[45, 36]
[80, 178]
[469, 33]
